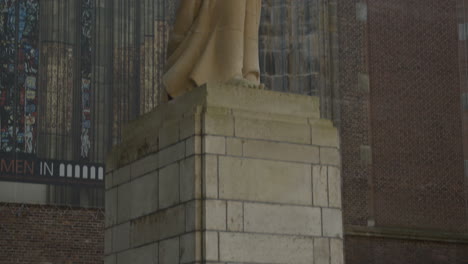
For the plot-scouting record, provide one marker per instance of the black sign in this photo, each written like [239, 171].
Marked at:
[27, 168]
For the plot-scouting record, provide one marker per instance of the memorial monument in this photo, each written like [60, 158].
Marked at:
[224, 173]
[213, 41]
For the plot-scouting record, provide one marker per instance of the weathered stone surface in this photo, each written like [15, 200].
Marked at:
[169, 251]
[218, 123]
[169, 186]
[120, 235]
[193, 221]
[159, 226]
[214, 145]
[321, 251]
[272, 130]
[124, 202]
[190, 178]
[320, 185]
[282, 219]
[267, 181]
[144, 165]
[108, 181]
[215, 215]
[193, 146]
[108, 241]
[144, 192]
[172, 154]
[334, 187]
[324, 134]
[332, 223]
[336, 249]
[141, 255]
[190, 248]
[121, 175]
[236, 180]
[235, 216]
[190, 126]
[169, 134]
[258, 248]
[329, 156]
[111, 207]
[281, 151]
[234, 146]
[211, 250]
[112, 259]
[210, 176]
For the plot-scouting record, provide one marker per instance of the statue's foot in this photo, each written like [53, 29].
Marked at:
[239, 81]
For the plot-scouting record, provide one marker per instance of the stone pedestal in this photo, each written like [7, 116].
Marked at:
[226, 174]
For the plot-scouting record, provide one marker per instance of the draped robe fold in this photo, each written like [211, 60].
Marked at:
[212, 40]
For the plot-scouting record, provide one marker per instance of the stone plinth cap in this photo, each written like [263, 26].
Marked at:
[140, 136]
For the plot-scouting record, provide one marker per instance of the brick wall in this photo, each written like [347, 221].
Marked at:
[401, 130]
[49, 234]
[415, 116]
[395, 251]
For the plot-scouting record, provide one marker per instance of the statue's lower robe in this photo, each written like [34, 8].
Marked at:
[212, 40]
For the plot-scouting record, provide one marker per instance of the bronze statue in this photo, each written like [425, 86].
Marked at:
[213, 41]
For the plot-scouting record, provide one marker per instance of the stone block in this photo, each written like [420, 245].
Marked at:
[235, 216]
[218, 122]
[211, 250]
[193, 146]
[260, 248]
[321, 251]
[121, 175]
[120, 237]
[324, 134]
[214, 145]
[336, 251]
[329, 156]
[161, 225]
[111, 207]
[193, 210]
[108, 241]
[267, 181]
[272, 130]
[320, 185]
[142, 255]
[282, 219]
[210, 176]
[334, 187]
[281, 151]
[172, 154]
[145, 165]
[234, 146]
[190, 178]
[169, 251]
[332, 223]
[215, 215]
[262, 101]
[144, 198]
[190, 247]
[112, 259]
[107, 181]
[169, 186]
[190, 126]
[124, 202]
[169, 134]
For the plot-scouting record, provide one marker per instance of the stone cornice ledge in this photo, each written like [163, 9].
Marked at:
[406, 234]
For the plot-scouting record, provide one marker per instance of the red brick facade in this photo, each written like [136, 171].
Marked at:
[48, 234]
[401, 125]
[393, 251]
